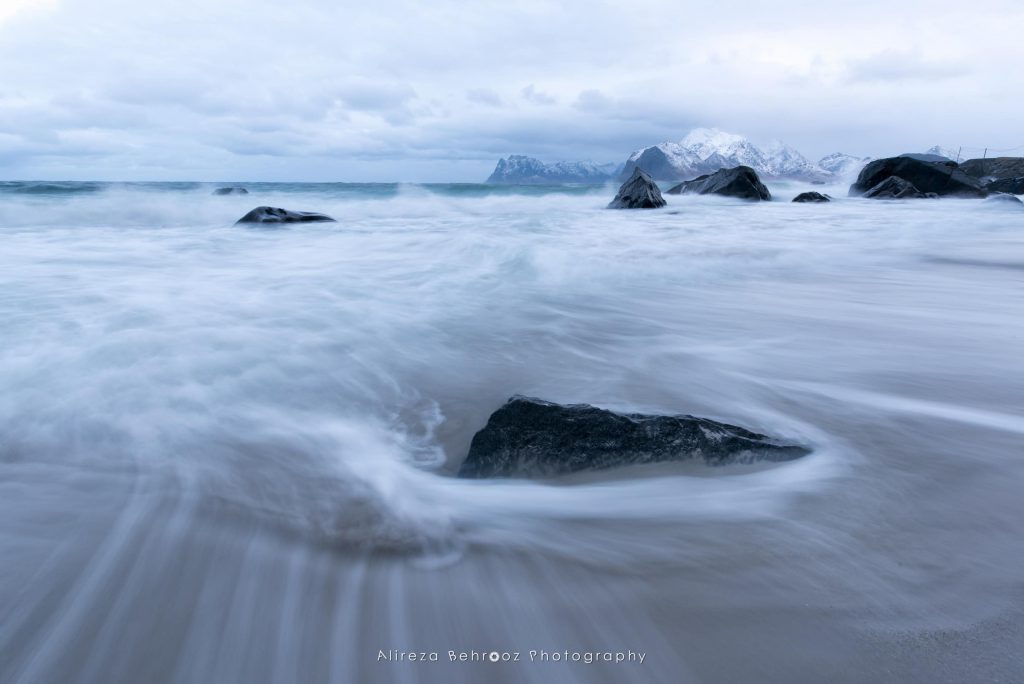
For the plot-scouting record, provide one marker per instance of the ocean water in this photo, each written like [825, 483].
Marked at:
[226, 452]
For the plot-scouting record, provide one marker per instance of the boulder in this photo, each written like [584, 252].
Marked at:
[639, 192]
[1002, 198]
[994, 167]
[1013, 186]
[533, 438]
[812, 197]
[945, 179]
[231, 191]
[894, 188]
[276, 215]
[740, 181]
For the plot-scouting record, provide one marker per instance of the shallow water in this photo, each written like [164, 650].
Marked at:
[225, 452]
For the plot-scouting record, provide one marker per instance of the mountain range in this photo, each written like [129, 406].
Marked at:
[703, 150]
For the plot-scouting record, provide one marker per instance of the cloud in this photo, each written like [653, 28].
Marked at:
[531, 94]
[904, 65]
[243, 89]
[484, 96]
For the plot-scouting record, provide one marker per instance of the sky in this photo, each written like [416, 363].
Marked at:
[326, 90]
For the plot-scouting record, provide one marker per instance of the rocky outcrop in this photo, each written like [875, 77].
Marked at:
[812, 197]
[994, 168]
[945, 179]
[277, 215]
[231, 191]
[532, 438]
[519, 169]
[741, 182]
[1013, 186]
[894, 188]
[639, 192]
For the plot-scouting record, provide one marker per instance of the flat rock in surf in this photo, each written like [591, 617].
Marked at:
[944, 178]
[277, 215]
[529, 437]
[741, 182]
[639, 192]
[812, 197]
[231, 191]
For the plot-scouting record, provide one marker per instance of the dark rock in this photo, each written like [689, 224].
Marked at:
[1013, 186]
[1002, 198]
[943, 178]
[741, 182]
[533, 438]
[639, 192]
[926, 156]
[276, 215]
[894, 187]
[812, 197]
[231, 191]
[994, 167]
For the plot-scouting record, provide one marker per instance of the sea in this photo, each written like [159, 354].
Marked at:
[228, 452]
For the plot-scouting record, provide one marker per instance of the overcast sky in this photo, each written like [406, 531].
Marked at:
[393, 90]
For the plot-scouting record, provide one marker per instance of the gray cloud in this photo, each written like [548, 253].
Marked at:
[246, 89]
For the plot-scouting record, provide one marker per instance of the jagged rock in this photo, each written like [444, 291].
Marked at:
[812, 197]
[741, 182]
[231, 191]
[943, 178]
[1002, 198]
[533, 438]
[1013, 186]
[994, 167]
[639, 192]
[894, 187]
[276, 215]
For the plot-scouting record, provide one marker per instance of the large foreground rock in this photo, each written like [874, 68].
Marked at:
[812, 197]
[945, 179]
[277, 215]
[532, 438]
[639, 192]
[741, 182]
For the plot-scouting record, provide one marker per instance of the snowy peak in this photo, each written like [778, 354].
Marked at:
[706, 150]
[841, 165]
[518, 169]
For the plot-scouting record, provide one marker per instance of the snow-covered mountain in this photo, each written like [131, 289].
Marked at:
[940, 151]
[841, 165]
[706, 150]
[518, 169]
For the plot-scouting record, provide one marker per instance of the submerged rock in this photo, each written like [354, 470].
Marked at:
[741, 182]
[639, 192]
[812, 197]
[277, 215]
[894, 187]
[945, 179]
[231, 191]
[532, 438]
[1002, 198]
